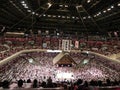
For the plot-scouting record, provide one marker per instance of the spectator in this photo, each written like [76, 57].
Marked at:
[20, 83]
[35, 83]
[5, 84]
[28, 81]
[49, 82]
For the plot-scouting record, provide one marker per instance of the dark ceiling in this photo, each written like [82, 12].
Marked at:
[68, 16]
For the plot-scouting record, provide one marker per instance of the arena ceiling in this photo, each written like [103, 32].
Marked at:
[69, 16]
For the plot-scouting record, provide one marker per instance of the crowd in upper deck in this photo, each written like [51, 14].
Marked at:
[16, 44]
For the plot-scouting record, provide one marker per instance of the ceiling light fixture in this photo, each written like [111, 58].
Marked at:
[88, 1]
[77, 17]
[37, 14]
[54, 15]
[104, 11]
[89, 17]
[68, 16]
[26, 7]
[59, 16]
[112, 6]
[66, 6]
[23, 2]
[33, 13]
[61, 5]
[40, 15]
[44, 15]
[94, 15]
[49, 15]
[118, 4]
[99, 13]
[109, 9]
[73, 17]
[84, 17]
[63, 16]
[49, 4]
[29, 10]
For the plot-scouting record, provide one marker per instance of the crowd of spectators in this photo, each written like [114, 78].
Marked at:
[95, 71]
[44, 68]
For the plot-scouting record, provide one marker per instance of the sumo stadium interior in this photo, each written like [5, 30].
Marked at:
[60, 44]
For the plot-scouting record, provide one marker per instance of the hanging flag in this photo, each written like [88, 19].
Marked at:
[60, 43]
[3, 29]
[70, 44]
[76, 44]
[115, 33]
[109, 34]
[44, 45]
[66, 45]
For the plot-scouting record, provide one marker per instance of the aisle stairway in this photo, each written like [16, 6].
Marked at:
[115, 56]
